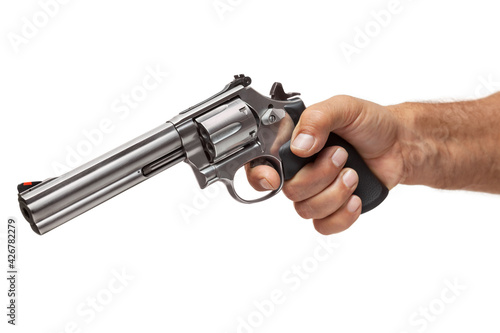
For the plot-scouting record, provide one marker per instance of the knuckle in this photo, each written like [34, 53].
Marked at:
[338, 194]
[316, 113]
[332, 225]
[343, 103]
[303, 209]
[344, 221]
[313, 120]
[292, 191]
[324, 170]
[344, 100]
[343, 224]
[321, 227]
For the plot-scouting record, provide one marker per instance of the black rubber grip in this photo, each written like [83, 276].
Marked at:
[370, 190]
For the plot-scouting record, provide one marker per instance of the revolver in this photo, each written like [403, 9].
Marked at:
[216, 138]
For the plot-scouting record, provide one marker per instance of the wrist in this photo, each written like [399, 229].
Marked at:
[450, 145]
[422, 140]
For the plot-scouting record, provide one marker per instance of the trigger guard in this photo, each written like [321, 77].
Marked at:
[234, 194]
[261, 161]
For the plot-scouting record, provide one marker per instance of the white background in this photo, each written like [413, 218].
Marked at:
[204, 273]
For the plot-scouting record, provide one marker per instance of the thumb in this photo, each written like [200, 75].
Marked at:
[318, 120]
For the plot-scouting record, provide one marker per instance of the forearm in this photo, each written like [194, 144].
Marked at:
[451, 145]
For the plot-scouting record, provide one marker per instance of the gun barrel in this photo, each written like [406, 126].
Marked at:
[58, 200]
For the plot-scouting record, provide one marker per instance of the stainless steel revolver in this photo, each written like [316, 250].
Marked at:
[215, 137]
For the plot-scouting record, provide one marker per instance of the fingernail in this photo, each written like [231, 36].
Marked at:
[303, 141]
[350, 178]
[339, 157]
[353, 204]
[265, 184]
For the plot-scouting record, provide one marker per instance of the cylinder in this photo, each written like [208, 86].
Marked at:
[226, 128]
[58, 200]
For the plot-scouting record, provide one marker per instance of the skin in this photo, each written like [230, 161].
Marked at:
[441, 145]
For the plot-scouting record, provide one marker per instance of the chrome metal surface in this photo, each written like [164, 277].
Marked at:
[265, 144]
[272, 116]
[215, 137]
[52, 203]
[226, 128]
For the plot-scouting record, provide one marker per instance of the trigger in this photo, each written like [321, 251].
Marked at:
[279, 94]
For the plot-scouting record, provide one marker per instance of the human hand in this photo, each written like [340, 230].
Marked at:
[323, 190]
